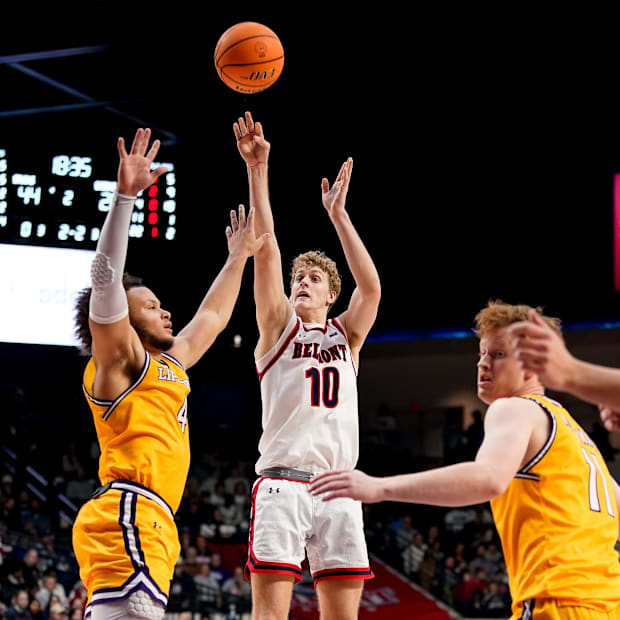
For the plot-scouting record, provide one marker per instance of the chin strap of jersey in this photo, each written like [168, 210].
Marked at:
[108, 302]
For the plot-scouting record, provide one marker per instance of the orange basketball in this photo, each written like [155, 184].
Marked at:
[249, 57]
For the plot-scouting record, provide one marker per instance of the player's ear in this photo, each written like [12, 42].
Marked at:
[331, 298]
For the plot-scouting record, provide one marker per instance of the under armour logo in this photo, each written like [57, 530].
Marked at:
[334, 334]
[271, 490]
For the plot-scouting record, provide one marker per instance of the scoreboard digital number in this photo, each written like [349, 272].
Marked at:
[61, 200]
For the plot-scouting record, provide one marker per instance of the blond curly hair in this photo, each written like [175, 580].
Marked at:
[324, 263]
[498, 314]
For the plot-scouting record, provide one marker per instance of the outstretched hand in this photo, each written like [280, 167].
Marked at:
[541, 350]
[241, 235]
[334, 198]
[354, 484]
[134, 170]
[253, 147]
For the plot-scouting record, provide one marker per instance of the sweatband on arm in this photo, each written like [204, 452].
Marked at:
[108, 301]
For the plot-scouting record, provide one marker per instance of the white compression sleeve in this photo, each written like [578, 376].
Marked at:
[108, 301]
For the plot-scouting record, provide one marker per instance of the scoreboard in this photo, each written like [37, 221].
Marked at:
[60, 199]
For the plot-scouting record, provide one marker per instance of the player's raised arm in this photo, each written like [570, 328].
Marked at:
[541, 350]
[115, 344]
[362, 311]
[217, 306]
[272, 307]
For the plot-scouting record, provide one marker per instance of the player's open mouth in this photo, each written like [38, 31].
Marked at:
[303, 295]
[484, 379]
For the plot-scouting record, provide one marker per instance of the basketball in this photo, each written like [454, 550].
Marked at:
[249, 57]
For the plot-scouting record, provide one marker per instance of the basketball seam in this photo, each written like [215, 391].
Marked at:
[255, 36]
[248, 64]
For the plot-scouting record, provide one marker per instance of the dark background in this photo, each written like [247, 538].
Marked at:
[484, 143]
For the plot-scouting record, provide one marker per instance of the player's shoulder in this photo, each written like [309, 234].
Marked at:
[511, 407]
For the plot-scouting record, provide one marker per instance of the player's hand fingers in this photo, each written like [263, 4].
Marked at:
[325, 185]
[120, 145]
[136, 141]
[153, 150]
[258, 128]
[242, 126]
[233, 221]
[237, 131]
[241, 217]
[249, 121]
[229, 232]
[155, 174]
[324, 482]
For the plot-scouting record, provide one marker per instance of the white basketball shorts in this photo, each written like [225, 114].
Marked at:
[287, 522]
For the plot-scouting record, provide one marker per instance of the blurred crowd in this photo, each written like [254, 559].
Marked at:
[453, 554]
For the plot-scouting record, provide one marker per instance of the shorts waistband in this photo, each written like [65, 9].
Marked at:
[287, 472]
[134, 487]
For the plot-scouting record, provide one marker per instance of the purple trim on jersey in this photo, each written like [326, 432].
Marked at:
[138, 581]
[140, 489]
[275, 358]
[524, 472]
[174, 360]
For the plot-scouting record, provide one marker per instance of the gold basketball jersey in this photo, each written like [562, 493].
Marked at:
[558, 520]
[143, 434]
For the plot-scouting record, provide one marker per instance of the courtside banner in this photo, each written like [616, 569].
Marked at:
[386, 597]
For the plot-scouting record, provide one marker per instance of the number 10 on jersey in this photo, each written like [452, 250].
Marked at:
[324, 385]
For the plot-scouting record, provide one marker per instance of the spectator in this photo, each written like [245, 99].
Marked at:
[428, 572]
[218, 497]
[492, 558]
[448, 578]
[218, 570]
[31, 571]
[10, 515]
[38, 521]
[80, 488]
[57, 612]
[182, 588]
[19, 607]
[49, 588]
[203, 555]
[14, 580]
[464, 594]
[36, 613]
[413, 556]
[70, 461]
[236, 478]
[495, 603]
[237, 585]
[479, 561]
[404, 534]
[190, 560]
[207, 586]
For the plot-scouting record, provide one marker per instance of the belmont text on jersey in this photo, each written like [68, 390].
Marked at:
[312, 349]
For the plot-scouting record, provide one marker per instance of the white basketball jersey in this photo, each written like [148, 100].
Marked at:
[308, 383]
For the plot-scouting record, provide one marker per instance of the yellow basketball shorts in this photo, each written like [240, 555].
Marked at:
[125, 539]
[552, 609]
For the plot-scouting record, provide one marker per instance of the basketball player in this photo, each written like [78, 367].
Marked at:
[554, 503]
[541, 350]
[125, 538]
[307, 368]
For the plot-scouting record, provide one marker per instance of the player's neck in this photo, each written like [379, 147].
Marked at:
[313, 316]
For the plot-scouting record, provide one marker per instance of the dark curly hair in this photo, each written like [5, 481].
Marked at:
[81, 307]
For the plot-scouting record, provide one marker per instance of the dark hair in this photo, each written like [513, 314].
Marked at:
[81, 307]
